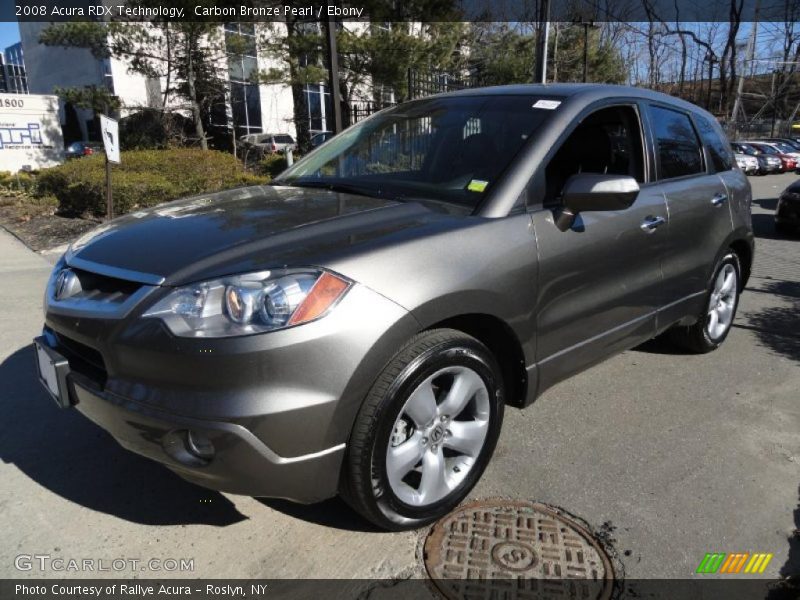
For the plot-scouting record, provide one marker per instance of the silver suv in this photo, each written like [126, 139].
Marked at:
[359, 326]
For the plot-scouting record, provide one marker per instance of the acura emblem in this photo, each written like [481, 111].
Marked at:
[65, 284]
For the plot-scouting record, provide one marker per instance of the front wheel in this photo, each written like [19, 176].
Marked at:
[722, 299]
[425, 432]
[782, 228]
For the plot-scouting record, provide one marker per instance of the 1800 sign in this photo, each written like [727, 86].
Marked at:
[12, 103]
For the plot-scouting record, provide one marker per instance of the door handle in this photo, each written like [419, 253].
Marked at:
[719, 199]
[650, 224]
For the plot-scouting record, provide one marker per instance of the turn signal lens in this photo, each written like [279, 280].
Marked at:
[326, 291]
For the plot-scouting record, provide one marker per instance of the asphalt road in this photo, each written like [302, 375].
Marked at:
[670, 455]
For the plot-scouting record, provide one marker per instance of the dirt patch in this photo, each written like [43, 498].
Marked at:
[37, 225]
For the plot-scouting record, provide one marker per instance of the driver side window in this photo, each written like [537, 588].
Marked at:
[608, 142]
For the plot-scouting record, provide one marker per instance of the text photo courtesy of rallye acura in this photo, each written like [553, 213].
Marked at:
[358, 326]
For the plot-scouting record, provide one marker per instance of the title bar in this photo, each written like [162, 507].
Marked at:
[668, 11]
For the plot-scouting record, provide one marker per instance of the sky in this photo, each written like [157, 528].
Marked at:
[9, 34]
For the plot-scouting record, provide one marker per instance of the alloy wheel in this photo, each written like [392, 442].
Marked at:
[438, 436]
[722, 302]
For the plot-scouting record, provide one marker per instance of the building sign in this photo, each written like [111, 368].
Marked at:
[30, 132]
[11, 136]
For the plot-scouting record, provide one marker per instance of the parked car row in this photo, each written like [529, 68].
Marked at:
[262, 143]
[772, 155]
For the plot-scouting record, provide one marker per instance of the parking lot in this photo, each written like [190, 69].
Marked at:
[667, 455]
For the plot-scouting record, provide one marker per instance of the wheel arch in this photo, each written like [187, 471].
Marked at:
[744, 250]
[501, 341]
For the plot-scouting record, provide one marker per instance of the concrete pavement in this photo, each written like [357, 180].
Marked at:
[670, 455]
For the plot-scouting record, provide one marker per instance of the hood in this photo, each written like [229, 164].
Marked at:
[250, 229]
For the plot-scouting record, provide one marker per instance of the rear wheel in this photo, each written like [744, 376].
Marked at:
[722, 299]
[425, 432]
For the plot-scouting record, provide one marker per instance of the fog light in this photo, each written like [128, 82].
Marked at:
[190, 448]
[199, 445]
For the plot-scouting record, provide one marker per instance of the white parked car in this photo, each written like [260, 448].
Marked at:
[748, 164]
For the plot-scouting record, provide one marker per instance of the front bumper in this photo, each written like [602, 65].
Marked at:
[787, 212]
[241, 463]
[273, 411]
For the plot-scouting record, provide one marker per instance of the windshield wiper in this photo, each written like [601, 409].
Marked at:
[335, 186]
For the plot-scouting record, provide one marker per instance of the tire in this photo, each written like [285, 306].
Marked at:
[402, 423]
[707, 333]
[783, 228]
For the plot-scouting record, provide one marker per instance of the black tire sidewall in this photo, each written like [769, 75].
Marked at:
[465, 353]
[729, 258]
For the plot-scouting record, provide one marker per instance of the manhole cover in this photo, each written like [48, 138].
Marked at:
[521, 550]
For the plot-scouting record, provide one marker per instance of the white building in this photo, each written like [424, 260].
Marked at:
[251, 107]
[51, 67]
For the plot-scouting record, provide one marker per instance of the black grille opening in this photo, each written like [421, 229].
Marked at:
[83, 359]
[95, 285]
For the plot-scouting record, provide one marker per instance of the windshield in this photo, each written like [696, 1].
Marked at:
[766, 149]
[452, 149]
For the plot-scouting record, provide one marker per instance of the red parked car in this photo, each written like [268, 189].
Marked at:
[789, 161]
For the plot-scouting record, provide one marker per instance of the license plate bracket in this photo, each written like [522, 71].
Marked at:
[52, 369]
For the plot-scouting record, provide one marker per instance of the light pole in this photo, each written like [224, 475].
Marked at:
[540, 66]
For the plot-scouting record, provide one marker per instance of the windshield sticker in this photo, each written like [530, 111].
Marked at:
[477, 185]
[547, 104]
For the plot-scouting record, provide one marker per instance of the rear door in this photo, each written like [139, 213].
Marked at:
[699, 211]
[719, 158]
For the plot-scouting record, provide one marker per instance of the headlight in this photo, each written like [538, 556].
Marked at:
[49, 290]
[251, 303]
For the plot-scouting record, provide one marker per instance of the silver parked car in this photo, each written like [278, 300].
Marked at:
[269, 143]
[359, 326]
[747, 163]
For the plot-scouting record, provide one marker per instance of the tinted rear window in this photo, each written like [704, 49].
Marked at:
[284, 139]
[679, 151]
[717, 147]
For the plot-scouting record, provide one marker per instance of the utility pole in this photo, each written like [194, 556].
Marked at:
[711, 60]
[773, 99]
[586, 25]
[333, 74]
[540, 67]
[751, 49]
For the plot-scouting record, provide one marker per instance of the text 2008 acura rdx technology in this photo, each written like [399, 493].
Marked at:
[358, 326]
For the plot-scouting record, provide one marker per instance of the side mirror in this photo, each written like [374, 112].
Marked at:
[586, 192]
